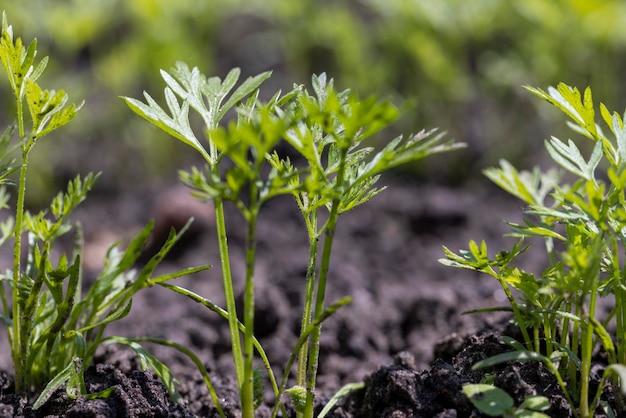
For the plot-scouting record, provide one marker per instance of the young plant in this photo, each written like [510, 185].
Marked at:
[327, 129]
[53, 324]
[583, 226]
[341, 174]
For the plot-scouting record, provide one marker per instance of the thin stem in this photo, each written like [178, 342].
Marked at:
[329, 234]
[227, 278]
[229, 293]
[620, 320]
[516, 310]
[20, 115]
[586, 354]
[311, 222]
[319, 308]
[577, 333]
[536, 338]
[19, 347]
[247, 390]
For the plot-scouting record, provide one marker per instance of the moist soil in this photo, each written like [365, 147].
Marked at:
[405, 334]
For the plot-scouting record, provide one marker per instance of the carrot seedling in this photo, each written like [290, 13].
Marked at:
[582, 224]
[327, 129]
[54, 325]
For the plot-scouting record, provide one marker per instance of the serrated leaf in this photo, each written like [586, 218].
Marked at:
[47, 108]
[588, 113]
[569, 157]
[536, 230]
[399, 151]
[154, 114]
[554, 97]
[245, 89]
[531, 187]
[618, 128]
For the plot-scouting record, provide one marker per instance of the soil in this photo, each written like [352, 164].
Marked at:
[404, 335]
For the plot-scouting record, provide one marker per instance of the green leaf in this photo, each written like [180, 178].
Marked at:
[180, 273]
[112, 282]
[182, 349]
[618, 128]
[111, 317]
[17, 61]
[297, 394]
[605, 338]
[525, 413]
[488, 399]
[568, 99]
[620, 370]
[341, 393]
[398, 152]
[570, 158]
[536, 403]
[74, 367]
[554, 97]
[531, 187]
[47, 108]
[529, 230]
[177, 125]
[473, 259]
[523, 281]
[77, 189]
[519, 355]
[149, 361]
[246, 88]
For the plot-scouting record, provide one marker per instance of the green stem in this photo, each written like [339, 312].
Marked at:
[585, 357]
[329, 234]
[620, 300]
[20, 115]
[319, 308]
[227, 278]
[307, 312]
[247, 390]
[516, 310]
[19, 348]
[229, 293]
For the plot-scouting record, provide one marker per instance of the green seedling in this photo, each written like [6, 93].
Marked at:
[583, 227]
[54, 325]
[327, 128]
[495, 402]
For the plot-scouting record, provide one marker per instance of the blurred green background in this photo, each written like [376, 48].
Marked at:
[463, 62]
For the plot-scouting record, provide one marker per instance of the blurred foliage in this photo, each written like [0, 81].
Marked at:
[464, 62]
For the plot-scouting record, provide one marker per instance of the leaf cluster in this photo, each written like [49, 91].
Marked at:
[583, 227]
[332, 169]
[54, 323]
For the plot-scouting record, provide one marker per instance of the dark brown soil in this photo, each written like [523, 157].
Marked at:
[404, 334]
